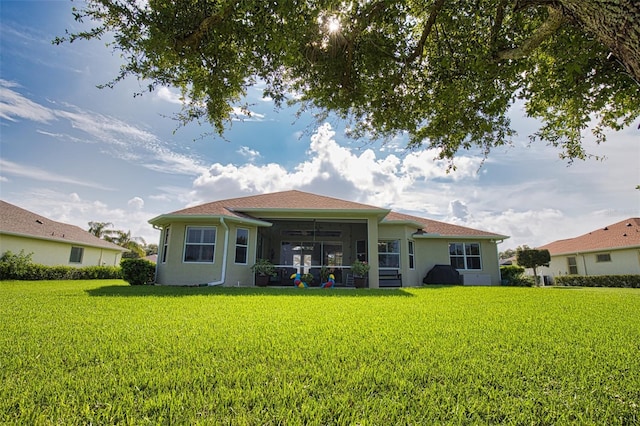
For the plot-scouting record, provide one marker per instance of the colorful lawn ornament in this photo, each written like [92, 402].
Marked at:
[330, 282]
[297, 281]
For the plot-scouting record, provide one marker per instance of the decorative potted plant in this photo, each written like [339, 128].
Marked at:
[324, 274]
[307, 278]
[360, 271]
[263, 270]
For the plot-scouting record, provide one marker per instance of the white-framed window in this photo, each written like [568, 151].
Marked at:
[165, 245]
[76, 255]
[242, 246]
[603, 257]
[412, 264]
[200, 244]
[572, 265]
[465, 255]
[389, 254]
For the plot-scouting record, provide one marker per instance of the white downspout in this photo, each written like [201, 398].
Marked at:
[224, 255]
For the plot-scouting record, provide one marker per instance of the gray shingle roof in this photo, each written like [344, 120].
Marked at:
[17, 221]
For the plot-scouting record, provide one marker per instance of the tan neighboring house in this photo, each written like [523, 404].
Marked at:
[611, 250]
[53, 243]
[216, 243]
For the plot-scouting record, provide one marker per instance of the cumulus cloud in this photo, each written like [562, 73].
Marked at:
[165, 94]
[136, 203]
[335, 170]
[250, 154]
[458, 209]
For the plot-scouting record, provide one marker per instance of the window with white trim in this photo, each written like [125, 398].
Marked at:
[465, 255]
[603, 257]
[200, 244]
[76, 255]
[572, 265]
[242, 245]
[389, 254]
[411, 256]
[165, 245]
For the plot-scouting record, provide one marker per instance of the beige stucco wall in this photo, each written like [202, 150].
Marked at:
[54, 253]
[428, 252]
[435, 251]
[626, 261]
[177, 272]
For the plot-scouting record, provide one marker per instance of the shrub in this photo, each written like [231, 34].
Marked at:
[14, 266]
[20, 267]
[626, 281]
[513, 275]
[138, 271]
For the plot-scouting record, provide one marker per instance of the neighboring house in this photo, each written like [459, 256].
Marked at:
[612, 250]
[216, 243]
[53, 243]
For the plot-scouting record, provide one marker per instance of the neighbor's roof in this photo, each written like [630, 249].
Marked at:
[623, 234]
[20, 222]
[434, 228]
[244, 207]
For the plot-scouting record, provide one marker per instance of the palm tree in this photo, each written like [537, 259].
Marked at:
[124, 239]
[99, 229]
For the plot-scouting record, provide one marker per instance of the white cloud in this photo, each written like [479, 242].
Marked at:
[334, 170]
[14, 106]
[35, 173]
[122, 139]
[165, 94]
[250, 154]
[136, 203]
[244, 114]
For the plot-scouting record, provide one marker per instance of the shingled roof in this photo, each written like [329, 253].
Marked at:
[624, 234]
[435, 228]
[286, 200]
[20, 222]
[307, 202]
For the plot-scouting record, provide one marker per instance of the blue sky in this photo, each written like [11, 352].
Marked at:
[76, 153]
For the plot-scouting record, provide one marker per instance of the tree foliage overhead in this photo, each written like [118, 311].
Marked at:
[444, 72]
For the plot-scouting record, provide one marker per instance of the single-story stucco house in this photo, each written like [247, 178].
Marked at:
[217, 243]
[610, 250]
[53, 243]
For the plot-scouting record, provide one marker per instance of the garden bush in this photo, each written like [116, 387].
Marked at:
[513, 275]
[625, 281]
[14, 266]
[21, 267]
[138, 271]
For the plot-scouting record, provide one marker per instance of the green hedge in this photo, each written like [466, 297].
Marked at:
[513, 275]
[20, 267]
[626, 281]
[138, 271]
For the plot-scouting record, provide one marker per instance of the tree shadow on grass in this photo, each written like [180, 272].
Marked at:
[178, 291]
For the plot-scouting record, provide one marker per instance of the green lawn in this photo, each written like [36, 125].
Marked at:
[102, 352]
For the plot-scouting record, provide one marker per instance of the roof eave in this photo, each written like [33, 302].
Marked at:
[427, 235]
[596, 250]
[166, 219]
[59, 240]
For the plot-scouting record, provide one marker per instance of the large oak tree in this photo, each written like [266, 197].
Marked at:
[445, 72]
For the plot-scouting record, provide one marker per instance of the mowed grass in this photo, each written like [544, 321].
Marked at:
[102, 352]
